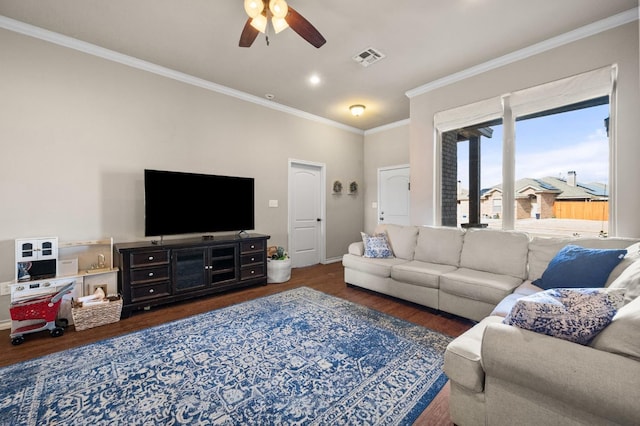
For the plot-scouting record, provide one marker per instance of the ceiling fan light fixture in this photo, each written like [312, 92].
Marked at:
[253, 7]
[259, 23]
[357, 110]
[278, 8]
[279, 24]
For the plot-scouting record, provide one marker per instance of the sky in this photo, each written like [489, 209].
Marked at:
[547, 146]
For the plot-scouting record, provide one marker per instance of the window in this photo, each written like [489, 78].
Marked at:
[535, 160]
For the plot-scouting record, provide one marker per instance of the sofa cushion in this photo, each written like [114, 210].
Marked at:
[462, 359]
[633, 254]
[543, 249]
[622, 336]
[573, 314]
[575, 266]
[373, 266]
[498, 252]
[478, 285]
[439, 245]
[356, 248]
[630, 281]
[402, 240]
[376, 246]
[504, 307]
[420, 273]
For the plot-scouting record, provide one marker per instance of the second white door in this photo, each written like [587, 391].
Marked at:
[305, 214]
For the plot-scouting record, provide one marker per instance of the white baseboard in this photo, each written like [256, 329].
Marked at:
[5, 325]
[332, 260]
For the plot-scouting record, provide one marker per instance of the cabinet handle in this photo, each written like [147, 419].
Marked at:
[150, 257]
[150, 290]
[253, 272]
[150, 274]
[252, 246]
[253, 258]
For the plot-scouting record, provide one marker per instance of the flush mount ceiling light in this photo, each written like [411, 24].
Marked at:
[282, 16]
[357, 110]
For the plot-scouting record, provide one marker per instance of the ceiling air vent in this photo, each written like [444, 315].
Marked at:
[369, 56]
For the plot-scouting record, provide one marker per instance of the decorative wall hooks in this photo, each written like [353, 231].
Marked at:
[337, 187]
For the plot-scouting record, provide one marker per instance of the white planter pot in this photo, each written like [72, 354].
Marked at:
[278, 271]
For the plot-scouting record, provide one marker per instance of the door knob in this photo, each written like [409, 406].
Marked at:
[318, 220]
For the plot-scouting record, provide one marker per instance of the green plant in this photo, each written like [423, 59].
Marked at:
[280, 254]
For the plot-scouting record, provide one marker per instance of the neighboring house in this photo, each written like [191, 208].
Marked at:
[550, 197]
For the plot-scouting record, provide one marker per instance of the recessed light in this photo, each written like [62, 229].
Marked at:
[270, 96]
[314, 79]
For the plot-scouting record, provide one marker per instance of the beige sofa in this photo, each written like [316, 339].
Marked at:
[503, 375]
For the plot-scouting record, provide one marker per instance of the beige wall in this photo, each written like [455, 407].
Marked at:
[619, 45]
[77, 131]
[382, 148]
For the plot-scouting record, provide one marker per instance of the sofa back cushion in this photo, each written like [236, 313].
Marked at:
[498, 252]
[543, 249]
[622, 336]
[401, 238]
[629, 280]
[441, 245]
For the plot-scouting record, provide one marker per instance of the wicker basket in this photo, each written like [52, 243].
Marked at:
[95, 315]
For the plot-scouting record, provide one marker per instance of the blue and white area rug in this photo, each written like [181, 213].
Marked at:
[299, 357]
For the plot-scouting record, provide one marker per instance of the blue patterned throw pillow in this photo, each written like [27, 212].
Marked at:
[575, 266]
[573, 314]
[376, 246]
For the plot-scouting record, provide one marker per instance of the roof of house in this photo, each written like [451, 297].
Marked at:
[564, 191]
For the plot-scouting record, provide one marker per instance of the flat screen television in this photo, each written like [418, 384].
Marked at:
[188, 203]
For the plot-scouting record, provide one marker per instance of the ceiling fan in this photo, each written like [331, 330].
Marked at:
[282, 16]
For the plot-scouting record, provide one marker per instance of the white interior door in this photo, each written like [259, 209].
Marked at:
[306, 214]
[393, 195]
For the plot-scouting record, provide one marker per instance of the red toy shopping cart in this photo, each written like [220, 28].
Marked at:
[44, 310]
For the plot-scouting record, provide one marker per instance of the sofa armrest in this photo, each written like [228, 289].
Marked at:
[357, 248]
[599, 382]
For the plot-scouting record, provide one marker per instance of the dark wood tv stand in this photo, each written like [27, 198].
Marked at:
[152, 274]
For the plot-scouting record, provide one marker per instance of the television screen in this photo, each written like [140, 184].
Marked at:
[186, 203]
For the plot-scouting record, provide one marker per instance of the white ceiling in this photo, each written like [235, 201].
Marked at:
[423, 40]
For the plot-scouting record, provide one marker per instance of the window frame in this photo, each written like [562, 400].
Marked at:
[509, 107]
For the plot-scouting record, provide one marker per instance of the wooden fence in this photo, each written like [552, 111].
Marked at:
[585, 210]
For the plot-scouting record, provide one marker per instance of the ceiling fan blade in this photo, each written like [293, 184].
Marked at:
[248, 35]
[304, 28]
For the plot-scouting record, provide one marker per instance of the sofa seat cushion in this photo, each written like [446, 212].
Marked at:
[462, 359]
[420, 273]
[379, 267]
[525, 289]
[478, 285]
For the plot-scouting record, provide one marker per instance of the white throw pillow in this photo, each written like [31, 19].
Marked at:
[629, 280]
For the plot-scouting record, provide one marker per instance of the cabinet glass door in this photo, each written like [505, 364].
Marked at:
[190, 269]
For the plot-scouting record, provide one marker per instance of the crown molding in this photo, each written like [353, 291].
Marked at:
[389, 126]
[566, 38]
[111, 55]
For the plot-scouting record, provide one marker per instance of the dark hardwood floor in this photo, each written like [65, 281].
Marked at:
[326, 278]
